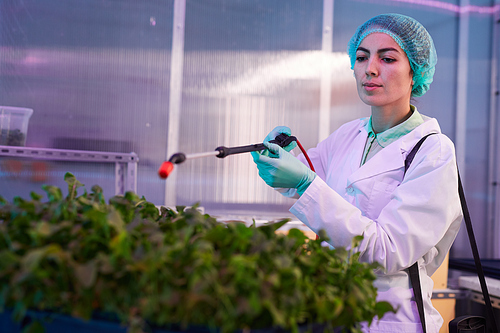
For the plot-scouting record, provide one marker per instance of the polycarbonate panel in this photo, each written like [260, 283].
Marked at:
[96, 73]
[248, 67]
[235, 111]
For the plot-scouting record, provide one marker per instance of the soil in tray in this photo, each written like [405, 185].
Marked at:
[12, 138]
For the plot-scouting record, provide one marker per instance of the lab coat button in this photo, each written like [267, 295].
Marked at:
[350, 190]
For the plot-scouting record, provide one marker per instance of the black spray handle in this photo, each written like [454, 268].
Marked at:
[281, 140]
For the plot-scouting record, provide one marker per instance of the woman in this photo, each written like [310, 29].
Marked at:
[360, 186]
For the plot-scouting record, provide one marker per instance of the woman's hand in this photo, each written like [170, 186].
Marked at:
[284, 170]
[277, 131]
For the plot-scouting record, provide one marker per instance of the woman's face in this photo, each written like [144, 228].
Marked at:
[383, 73]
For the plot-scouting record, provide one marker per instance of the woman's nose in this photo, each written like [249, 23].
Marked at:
[371, 68]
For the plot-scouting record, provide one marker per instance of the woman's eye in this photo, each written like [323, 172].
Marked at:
[388, 60]
[360, 58]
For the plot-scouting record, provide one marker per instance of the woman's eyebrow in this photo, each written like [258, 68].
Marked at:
[387, 49]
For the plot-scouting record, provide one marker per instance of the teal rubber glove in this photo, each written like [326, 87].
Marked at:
[285, 170]
[277, 131]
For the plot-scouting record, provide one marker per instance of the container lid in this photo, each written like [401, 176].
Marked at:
[12, 109]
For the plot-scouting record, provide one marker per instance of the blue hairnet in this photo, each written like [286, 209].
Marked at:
[411, 36]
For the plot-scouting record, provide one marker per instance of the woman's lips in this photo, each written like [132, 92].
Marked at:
[371, 86]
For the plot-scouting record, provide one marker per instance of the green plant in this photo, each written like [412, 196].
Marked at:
[79, 255]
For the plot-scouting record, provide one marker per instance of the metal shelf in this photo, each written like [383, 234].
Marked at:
[125, 164]
[449, 294]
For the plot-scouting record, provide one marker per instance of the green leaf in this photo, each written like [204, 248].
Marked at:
[86, 273]
[356, 241]
[73, 184]
[34, 257]
[97, 195]
[298, 235]
[7, 259]
[342, 253]
[97, 216]
[115, 220]
[131, 196]
[269, 229]
[323, 236]
[149, 210]
[277, 314]
[121, 245]
[180, 209]
[36, 196]
[34, 327]
[96, 189]
[53, 193]
[381, 308]
[217, 235]
[44, 228]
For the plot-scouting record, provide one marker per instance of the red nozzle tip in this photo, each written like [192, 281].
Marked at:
[165, 169]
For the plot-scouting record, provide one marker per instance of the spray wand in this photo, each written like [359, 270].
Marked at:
[282, 140]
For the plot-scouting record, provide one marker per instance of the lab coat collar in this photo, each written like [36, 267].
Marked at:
[393, 156]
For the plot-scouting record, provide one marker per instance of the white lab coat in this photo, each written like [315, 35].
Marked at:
[402, 221]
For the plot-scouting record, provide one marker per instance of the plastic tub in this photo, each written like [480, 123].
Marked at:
[14, 125]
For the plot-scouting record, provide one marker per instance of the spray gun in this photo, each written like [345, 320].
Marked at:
[167, 167]
[282, 140]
